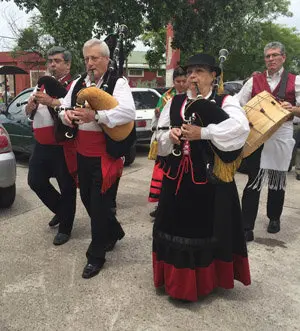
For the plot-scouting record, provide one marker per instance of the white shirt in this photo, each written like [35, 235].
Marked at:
[123, 113]
[228, 135]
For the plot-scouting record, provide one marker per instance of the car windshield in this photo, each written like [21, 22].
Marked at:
[18, 102]
[145, 99]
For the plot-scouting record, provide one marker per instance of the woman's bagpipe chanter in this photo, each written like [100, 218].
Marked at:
[99, 99]
[202, 112]
[55, 89]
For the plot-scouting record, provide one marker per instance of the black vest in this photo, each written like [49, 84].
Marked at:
[202, 113]
[114, 148]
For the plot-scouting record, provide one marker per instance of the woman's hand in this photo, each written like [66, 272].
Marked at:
[175, 135]
[190, 132]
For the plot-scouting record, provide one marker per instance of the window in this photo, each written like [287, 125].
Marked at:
[145, 99]
[135, 72]
[160, 73]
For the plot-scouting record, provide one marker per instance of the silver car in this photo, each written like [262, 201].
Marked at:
[7, 170]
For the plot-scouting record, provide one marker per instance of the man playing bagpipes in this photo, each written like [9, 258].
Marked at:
[198, 238]
[53, 156]
[99, 161]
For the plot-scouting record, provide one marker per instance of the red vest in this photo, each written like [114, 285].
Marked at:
[260, 84]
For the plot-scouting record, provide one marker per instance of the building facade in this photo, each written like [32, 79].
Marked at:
[136, 70]
[31, 62]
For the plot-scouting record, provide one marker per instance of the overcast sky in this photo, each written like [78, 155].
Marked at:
[10, 12]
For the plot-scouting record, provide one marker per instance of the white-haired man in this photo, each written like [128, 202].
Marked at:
[97, 170]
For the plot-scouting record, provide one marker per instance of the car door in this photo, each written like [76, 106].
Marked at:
[17, 124]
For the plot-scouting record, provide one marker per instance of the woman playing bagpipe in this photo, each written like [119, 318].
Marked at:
[198, 238]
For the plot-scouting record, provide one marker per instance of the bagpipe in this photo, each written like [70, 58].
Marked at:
[99, 99]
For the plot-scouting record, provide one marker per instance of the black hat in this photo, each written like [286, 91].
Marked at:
[203, 59]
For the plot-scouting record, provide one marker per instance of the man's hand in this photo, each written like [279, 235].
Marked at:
[31, 105]
[296, 111]
[190, 132]
[157, 112]
[69, 118]
[43, 98]
[175, 135]
[83, 115]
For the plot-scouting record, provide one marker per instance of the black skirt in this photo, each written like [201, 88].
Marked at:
[198, 238]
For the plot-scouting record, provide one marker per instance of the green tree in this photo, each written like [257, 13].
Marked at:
[249, 57]
[199, 25]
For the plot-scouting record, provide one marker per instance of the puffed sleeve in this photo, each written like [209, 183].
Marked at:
[232, 133]
[165, 145]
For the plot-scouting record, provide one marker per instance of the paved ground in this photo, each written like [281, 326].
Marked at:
[42, 289]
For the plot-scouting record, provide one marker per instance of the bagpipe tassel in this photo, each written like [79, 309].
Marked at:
[153, 150]
[226, 171]
[221, 84]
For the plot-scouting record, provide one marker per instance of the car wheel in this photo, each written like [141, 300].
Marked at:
[7, 196]
[130, 157]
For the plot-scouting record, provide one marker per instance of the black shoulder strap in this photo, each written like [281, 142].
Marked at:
[111, 83]
[78, 86]
[282, 87]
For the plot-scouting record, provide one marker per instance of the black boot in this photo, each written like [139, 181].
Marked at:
[154, 213]
[274, 226]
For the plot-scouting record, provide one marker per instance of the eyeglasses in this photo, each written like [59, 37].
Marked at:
[57, 61]
[92, 58]
[273, 55]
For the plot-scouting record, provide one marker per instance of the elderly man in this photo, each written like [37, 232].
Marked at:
[51, 158]
[97, 170]
[271, 161]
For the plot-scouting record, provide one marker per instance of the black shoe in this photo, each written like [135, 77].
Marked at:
[298, 177]
[55, 221]
[274, 226]
[111, 244]
[249, 236]
[61, 238]
[91, 270]
[154, 213]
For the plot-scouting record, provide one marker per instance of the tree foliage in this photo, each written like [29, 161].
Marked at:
[199, 25]
[249, 57]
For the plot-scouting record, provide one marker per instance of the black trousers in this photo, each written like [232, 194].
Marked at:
[104, 225]
[49, 161]
[250, 198]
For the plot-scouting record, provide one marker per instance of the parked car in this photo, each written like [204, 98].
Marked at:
[19, 128]
[233, 87]
[145, 100]
[7, 170]
[161, 90]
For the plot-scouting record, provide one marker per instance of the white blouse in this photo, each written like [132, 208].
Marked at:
[228, 135]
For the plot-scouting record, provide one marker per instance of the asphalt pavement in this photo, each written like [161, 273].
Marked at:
[42, 288]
